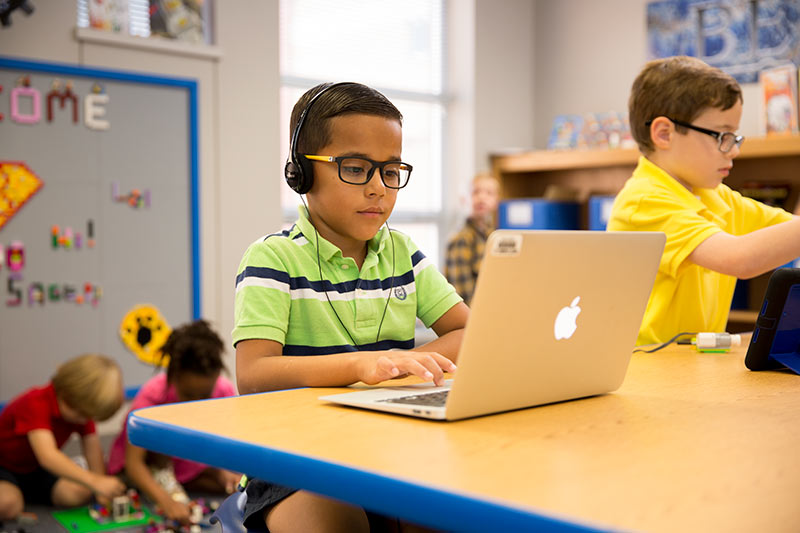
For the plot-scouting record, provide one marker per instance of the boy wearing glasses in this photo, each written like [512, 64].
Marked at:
[334, 300]
[684, 115]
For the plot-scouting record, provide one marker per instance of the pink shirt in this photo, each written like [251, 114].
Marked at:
[156, 392]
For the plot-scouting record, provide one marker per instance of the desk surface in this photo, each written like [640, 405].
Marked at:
[691, 442]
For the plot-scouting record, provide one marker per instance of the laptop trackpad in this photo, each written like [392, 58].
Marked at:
[385, 394]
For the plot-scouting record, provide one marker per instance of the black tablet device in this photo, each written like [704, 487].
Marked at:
[776, 338]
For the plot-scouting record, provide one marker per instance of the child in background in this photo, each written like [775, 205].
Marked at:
[334, 300]
[193, 373]
[465, 249]
[684, 115]
[36, 424]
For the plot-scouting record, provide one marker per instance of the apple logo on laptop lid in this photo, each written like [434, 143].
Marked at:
[566, 320]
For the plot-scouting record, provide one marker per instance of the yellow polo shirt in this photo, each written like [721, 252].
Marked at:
[685, 296]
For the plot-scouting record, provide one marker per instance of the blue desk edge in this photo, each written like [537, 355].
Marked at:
[413, 502]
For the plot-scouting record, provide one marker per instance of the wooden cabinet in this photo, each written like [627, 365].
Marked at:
[773, 160]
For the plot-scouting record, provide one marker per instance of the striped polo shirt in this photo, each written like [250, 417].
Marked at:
[287, 288]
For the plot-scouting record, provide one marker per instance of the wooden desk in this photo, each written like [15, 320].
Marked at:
[691, 442]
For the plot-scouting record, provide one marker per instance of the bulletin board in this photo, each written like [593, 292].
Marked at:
[98, 217]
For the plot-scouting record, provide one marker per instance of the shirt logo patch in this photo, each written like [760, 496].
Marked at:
[400, 293]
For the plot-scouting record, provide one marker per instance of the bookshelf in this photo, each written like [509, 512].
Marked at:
[588, 172]
[527, 174]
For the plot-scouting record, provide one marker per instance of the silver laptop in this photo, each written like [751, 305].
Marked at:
[554, 317]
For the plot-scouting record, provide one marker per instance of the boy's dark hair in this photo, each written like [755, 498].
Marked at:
[194, 348]
[679, 88]
[348, 98]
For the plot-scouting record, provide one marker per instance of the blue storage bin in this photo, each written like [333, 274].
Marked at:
[599, 212]
[538, 213]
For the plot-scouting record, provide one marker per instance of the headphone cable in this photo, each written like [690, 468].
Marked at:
[322, 280]
[391, 285]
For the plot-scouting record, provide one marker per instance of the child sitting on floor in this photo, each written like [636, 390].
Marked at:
[36, 424]
[193, 373]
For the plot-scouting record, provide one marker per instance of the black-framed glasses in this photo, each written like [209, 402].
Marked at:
[726, 139]
[359, 170]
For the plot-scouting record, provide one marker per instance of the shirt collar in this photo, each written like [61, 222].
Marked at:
[699, 200]
[480, 228]
[328, 250]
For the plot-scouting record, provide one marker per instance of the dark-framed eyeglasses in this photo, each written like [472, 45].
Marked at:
[359, 170]
[726, 139]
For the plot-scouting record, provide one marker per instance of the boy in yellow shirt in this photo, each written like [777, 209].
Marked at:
[684, 115]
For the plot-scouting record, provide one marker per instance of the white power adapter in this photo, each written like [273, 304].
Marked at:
[706, 341]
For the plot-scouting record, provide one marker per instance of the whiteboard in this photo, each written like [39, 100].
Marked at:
[118, 166]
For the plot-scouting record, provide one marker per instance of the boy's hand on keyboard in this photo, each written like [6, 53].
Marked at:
[380, 366]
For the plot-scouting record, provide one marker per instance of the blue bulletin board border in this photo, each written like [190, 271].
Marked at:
[190, 86]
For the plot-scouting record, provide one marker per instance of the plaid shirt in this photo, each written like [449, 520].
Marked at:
[464, 256]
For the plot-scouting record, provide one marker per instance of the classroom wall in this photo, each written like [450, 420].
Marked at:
[505, 63]
[238, 115]
[587, 56]
[248, 138]
[490, 90]
[462, 155]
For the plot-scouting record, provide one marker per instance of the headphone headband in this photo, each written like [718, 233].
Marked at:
[299, 174]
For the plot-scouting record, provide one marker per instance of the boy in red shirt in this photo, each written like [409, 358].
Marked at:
[35, 425]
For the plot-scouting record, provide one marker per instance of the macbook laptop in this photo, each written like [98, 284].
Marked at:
[554, 317]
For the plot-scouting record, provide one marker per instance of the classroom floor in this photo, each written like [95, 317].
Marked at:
[46, 523]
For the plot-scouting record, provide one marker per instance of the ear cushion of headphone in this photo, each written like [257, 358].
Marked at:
[299, 175]
[293, 175]
[307, 175]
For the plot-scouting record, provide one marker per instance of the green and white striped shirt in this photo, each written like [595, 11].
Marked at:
[280, 295]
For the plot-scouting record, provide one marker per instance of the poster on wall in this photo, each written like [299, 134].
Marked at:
[741, 37]
[98, 214]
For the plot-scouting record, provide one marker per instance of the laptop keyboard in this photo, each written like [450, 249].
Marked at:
[429, 399]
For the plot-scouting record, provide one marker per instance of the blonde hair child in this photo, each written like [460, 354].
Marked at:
[36, 424]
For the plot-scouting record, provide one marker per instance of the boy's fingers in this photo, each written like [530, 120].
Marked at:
[444, 363]
[436, 363]
[429, 366]
[385, 369]
[425, 367]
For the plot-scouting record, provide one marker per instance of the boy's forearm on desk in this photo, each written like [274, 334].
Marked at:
[280, 372]
[271, 372]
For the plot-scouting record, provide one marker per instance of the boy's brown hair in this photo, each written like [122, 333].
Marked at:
[344, 99]
[91, 384]
[679, 88]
